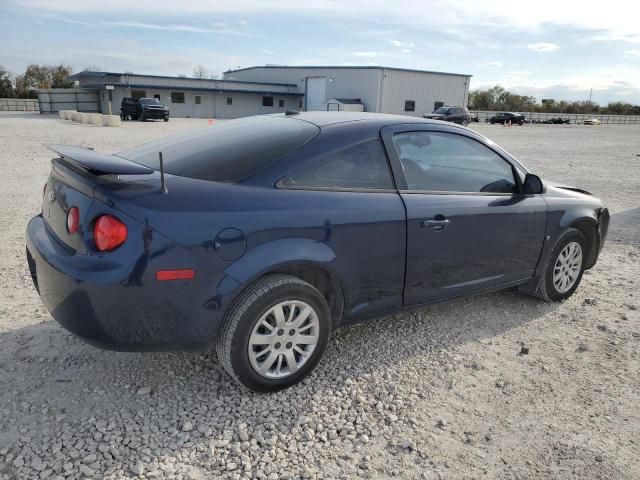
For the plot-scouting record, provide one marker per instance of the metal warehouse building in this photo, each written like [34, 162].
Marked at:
[269, 89]
[380, 89]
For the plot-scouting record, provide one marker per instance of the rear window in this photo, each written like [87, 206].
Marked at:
[229, 151]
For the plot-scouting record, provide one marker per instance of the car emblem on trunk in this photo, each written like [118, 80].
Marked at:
[51, 197]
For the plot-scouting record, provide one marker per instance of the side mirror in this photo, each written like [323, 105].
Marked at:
[532, 184]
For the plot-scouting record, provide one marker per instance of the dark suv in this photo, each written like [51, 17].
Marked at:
[143, 109]
[506, 117]
[451, 114]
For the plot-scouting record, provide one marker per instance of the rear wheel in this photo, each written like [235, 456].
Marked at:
[275, 333]
[564, 269]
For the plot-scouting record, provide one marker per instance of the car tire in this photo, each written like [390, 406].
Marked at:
[244, 332]
[142, 118]
[466, 122]
[548, 287]
[166, 119]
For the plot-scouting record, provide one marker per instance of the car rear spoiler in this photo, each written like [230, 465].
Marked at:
[99, 163]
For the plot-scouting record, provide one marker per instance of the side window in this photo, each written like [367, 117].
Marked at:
[359, 166]
[445, 162]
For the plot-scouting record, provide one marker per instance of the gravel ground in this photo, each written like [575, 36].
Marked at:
[497, 386]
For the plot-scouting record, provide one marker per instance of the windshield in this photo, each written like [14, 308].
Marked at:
[230, 151]
[154, 101]
[442, 110]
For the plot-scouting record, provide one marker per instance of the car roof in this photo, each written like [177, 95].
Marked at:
[323, 119]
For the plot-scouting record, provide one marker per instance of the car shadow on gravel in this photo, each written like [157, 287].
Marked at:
[625, 226]
[187, 399]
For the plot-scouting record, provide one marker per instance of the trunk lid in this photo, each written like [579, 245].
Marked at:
[71, 183]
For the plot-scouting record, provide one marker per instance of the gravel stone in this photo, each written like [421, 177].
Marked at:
[376, 405]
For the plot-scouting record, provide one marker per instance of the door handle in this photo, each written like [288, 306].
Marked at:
[436, 224]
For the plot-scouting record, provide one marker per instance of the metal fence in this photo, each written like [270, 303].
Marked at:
[19, 105]
[579, 118]
[79, 99]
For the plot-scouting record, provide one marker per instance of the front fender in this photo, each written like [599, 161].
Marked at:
[557, 223]
[271, 255]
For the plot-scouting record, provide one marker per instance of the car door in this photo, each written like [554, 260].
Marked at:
[468, 227]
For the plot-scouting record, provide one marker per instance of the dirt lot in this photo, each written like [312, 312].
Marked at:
[440, 393]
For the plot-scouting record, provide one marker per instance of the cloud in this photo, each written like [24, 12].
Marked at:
[365, 54]
[542, 47]
[402, 45]
[266, 51]
[635, 53]
[176, 28]
[491, 64]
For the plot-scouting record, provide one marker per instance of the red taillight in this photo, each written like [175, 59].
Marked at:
[109, 233]
[73, 220]
[185, 274]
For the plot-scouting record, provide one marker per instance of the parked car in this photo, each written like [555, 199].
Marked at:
[262, 235]
[128, 109]
[151, 108]
[506, 117]
[451, 113]
[591, 121]
[143, 109]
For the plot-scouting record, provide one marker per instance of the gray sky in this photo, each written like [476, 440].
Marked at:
[549, 49]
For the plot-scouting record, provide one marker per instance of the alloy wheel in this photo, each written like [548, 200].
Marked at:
[283, 339]
[567, 267]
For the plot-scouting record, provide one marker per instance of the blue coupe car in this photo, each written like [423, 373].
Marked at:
[259, 236]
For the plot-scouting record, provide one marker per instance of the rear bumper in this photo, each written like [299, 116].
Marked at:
[119, 305]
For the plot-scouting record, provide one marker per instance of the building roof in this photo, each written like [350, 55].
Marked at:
[86, 73]
[347, 101]
[348, 67]
[198, 89]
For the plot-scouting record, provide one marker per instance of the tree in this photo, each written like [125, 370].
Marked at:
[497, 98]
[6, 85]
[92, 68]
[199, 71]
[42, 76]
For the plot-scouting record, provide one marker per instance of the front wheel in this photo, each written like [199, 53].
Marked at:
[275, 333]
[564, 269]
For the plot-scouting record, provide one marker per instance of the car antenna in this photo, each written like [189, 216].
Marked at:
[163, 186]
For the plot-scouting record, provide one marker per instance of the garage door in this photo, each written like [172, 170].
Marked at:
[316, 93]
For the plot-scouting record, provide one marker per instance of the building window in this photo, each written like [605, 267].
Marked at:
[409, 105]
[437, 105]
[156, 96]
[281, 103]
[198, 99]
[267, 101]
[177, 97]
[229, 100]
[136, 94]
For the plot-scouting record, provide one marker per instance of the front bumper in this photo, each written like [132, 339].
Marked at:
[153, 113]
[117, 304]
